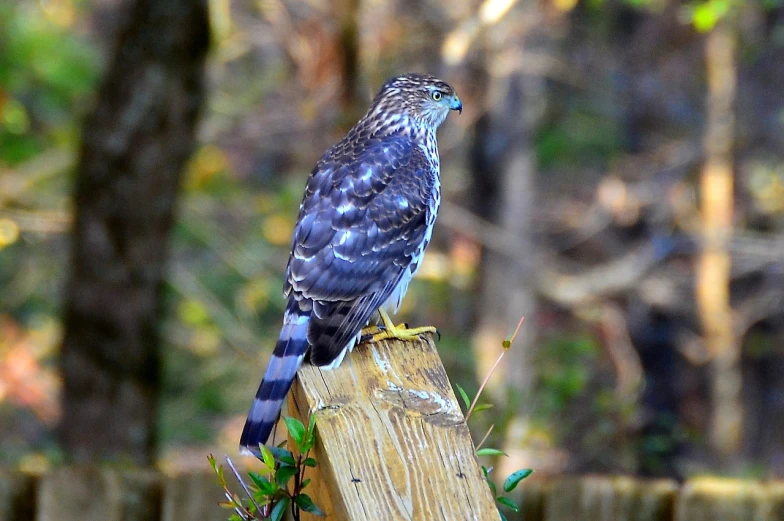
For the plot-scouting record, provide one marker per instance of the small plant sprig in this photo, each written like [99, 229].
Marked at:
[473, 406]
[268, 497]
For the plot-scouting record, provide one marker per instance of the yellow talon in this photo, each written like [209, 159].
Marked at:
[390, 330]
[369, 331]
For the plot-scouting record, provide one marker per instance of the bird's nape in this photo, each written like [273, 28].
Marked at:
[422, 97]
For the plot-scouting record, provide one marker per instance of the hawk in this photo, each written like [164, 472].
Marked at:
[364, 223]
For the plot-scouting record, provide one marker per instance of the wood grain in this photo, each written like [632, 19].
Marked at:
[392, 442]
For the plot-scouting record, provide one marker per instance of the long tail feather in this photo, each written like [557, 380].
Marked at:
[286, 358]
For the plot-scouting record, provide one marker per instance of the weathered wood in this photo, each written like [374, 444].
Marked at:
[17, 496]
[716, 499]
[392, 440]
[609, 499]
[90, 494]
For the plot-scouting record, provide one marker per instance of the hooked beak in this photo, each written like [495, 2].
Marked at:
[456, 104]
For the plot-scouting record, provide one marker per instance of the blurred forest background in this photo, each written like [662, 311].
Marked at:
[617, 177]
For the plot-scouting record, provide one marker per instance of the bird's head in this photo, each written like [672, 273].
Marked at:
[424, 98]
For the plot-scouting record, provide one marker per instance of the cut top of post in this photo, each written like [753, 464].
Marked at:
[392, 442]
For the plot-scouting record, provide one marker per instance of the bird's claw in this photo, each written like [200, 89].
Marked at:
[388, 330]
[368, 333]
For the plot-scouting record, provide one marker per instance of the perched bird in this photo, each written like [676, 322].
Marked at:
[364, 222]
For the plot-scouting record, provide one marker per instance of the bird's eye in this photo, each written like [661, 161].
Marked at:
[436, 95]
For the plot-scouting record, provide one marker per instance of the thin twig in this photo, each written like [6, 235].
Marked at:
[485, 438]
[242, 484]
[507, 344]
[517, 330]
[482, 387]
[297, 484]
[303, 468]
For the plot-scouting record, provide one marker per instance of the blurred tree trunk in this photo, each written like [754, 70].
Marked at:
[713, 269]
[135, 144]
[503, 171]
[349, 12]
[503, 167]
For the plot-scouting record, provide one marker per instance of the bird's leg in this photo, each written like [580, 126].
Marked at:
[390, 330]
[368, 332]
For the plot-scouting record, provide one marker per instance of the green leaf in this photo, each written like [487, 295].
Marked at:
[218, 470]
[309, 462]
[506, 344]
[283, 455]
[483, 407]
[296, 429]
[492, 486]
[464, 396]
[264, 485]
[262, 499]
[508, 503]
[515, 478]
[485, 472]
[305, 483]
[267, 458]
[487, 451]
[279, 509]
[284, 474]
[502, 516]
[310, 435]
[304, 502]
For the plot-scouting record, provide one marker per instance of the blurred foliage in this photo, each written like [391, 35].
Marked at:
[46, 75]
[574, 392]
[566, 365]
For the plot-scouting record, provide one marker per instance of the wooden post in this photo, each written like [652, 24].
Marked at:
[17, 496]
[95, 494]
[392, 442]
[721, 499]
[607, 498]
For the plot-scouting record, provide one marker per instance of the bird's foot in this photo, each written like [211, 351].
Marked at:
[389, 331]
[399, 332]
[402, 332]
[367, 333]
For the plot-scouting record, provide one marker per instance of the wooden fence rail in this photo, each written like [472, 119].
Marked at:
[81, 494]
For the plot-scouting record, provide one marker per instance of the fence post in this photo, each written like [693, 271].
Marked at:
[95, 494]
[17, 496]
[392, 442]
[195, 496]
[721, 499]
[607, 498]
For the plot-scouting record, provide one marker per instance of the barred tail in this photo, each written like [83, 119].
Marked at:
[286, 359]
